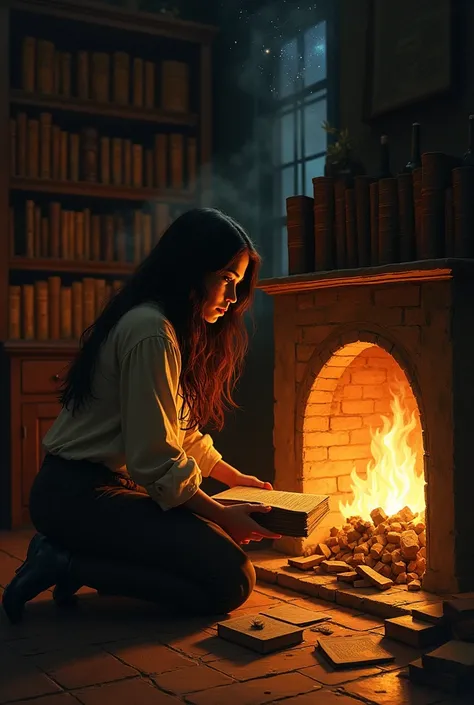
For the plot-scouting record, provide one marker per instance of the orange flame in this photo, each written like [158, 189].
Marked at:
[392, 481]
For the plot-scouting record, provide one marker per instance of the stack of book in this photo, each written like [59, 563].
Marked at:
[292, 514]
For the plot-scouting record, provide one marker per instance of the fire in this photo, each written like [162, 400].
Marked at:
[392, 480]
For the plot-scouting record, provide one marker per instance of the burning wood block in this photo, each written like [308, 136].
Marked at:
[353, 536]
[390, 547]
[335, 549]
[376, 550]
[378, 516]
[386, 557]
[406, 514]
[361, 584]
[363, 548]
[371, 562]
[422, 552]
[379, 581]
[422, 538]
[409, 544]
[334, 531]
[411, 577]
[397, 527]
[420, 566]
[358, 559]
[414, 586]
[387, 571]
[411, 567]
[343, 540]
[401, 579]
[399, 567]
[378, 566]
[335, 567]
[332, 541]
[396, 555]
[323, 550]
[305, 562]
[419, 527]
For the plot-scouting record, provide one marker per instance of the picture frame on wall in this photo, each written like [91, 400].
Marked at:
[409, 53]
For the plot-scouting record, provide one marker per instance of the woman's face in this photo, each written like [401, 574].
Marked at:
[221, 288]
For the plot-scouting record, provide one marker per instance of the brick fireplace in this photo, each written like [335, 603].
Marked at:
[344, 342]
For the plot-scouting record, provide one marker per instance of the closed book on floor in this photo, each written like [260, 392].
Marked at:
[293, 513]
[351, 651]
[260, 633]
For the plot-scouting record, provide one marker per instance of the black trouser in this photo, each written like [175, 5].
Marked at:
[123, 543]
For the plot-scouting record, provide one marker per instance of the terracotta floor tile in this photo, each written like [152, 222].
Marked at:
[354, 620]
[256, 692]
[135, 691]
[191, 680]
[148, 657]
[312, 603]
[76, 668]
[392, 689]
[323, 697]
[21, 679]
[258, 599]
[254, 666]
[59, 699]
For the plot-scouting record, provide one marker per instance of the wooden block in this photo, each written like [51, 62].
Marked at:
[414, 633]
[305, 562]
[299, 616]
[335, 567]
[324, 550]
[274, 635]
[363, 583]
[374, 578]
[456, 685]
[456, 657]
[350, 651]
[350, 577]
[433, 614]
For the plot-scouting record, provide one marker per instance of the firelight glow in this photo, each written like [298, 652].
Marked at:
[392, 481]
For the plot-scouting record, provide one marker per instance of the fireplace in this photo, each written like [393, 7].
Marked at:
[374, 396]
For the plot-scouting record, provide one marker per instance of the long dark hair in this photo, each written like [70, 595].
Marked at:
[200, 241]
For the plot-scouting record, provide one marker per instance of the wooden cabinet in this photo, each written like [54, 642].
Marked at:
[35, 374]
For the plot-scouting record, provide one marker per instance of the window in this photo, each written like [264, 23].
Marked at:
[300, 94]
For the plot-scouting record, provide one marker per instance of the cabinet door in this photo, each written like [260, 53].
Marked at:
[36, 419]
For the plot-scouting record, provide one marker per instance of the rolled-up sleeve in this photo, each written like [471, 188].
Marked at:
[149, 377]
[201, 448]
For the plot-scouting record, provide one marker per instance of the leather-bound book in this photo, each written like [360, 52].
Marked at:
[300, 227]
[14, 312]
[66, 312]
[362, 205]
[388, 221]
[55, 229]
[323, 192]
[89, 154]
[54, 304]
[121, 78]
[28, 311]
[83, 84]
[340, 222]
[45, 63]
[137, 83]
[100, 77]
[41, 310]
[406, 213]
[351, 230]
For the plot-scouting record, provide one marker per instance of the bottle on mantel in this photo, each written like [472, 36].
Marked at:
[384, 171]
[469, 156]
[415, 159]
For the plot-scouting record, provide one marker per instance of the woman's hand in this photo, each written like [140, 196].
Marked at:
[250, 481]
[241, 527]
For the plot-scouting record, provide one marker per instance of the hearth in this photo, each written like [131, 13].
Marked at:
[374, 396]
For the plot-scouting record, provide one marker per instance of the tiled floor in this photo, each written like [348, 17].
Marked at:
[108, 650]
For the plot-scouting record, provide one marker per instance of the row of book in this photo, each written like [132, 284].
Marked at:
[47, 310]
[424, 214]
[102, 77]
[40, 149]
[82, 235]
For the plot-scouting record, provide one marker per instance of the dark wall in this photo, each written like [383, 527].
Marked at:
[444, 119]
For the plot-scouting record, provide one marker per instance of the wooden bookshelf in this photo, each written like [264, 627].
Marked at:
[155, 116]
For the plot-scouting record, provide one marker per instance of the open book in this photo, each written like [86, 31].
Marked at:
[293, 513]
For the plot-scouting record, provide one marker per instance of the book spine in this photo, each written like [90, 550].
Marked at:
[149, 84]
[77, 310]
[138, 83]
[57, 73]
[100, 77]
[177, 161]
[175, 87]
[33, 149]
[149, 169]
[28, 311]
[117, 149]
[436, 178]
[56, 152]
[88, 301]
[30, 229]
[83, 91]
[22, 132]
[79, 233]
[340, 222]
[388, 221]
[54, 296]
[66, 74]
[105, 160]
[121, 239]
[127, 162]
[362, 205]
[71, 216]
[74, 157]
[63, 156]
[121, 78]
[45, 237]
[374, 223]
[463, 206]
[96, 240]
[45, 67]
[55, 229]
[89, 153]
[87, 233]
[109, 238]
[65, 235]
[323, 192]
[37, 231]
[161, 161]
[66, 312]
[351, 232]
[300, 226]
[45, 145]
[137, 170]
[406, 208]
[28, 64]
[41, 310]
[14, 312]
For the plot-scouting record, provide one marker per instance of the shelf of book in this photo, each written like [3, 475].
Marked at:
[74, 266]
[97, 190]
[125, 112]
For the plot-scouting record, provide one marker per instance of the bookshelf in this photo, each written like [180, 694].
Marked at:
[106, 120]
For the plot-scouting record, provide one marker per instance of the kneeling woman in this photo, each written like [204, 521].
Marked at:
[117, 502]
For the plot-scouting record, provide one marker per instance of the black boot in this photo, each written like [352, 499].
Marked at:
[44, 566]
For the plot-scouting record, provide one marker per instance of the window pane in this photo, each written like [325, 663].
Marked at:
[288, 69]
[286, 142]
[315, 139]
[287, 186]
[315, 54]
[312, 168]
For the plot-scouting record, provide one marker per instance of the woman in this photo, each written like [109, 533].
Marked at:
[117, 502]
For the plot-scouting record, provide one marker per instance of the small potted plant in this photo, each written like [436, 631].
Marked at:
[340, 162]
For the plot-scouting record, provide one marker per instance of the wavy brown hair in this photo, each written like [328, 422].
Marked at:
[198, 243]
